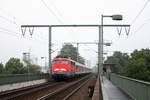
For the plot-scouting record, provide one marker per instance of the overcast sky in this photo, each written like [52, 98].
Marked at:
[14, 13]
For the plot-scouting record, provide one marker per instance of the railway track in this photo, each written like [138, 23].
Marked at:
[47, 91]
[67, 91]
[17, 93]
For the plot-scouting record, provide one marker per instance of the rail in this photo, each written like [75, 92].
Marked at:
[136, 89]
[62, 93]
[74, 91]
[22, 93]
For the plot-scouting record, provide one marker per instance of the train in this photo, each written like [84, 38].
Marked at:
[66, 68]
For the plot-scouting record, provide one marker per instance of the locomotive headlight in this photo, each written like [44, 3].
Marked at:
[63, 69]
[56, 69]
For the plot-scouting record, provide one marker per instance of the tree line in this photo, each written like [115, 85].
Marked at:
[136, 65]
[69, 51]
[15, 66]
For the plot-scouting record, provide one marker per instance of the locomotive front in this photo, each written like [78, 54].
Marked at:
[61, 68]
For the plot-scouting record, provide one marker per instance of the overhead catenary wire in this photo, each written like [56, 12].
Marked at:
[8, 20]
[137, 16]
[140, 12]
[12, 20]
[142, 25]
[56, 9]
[52, 12]
[91, 48]
[9, 32]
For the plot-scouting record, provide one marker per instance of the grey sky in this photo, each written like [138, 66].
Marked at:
[20, 12]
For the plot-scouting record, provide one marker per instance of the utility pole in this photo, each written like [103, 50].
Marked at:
[45, 59]
[100, 61]
[77, 52]
[50, 49]
[27, 57]
[100, 50]
[49, 42]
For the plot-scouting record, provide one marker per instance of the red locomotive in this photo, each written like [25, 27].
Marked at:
[65, 68]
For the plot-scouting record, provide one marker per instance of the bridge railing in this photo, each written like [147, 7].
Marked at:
[16, 78]
[136, 89]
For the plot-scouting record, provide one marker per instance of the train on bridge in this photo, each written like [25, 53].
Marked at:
[66, 68]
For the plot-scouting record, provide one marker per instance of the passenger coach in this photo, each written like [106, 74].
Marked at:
[65, 68]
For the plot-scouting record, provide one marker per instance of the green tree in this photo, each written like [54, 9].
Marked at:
[32, 68]
[81, 60]
[119, 59]
[123, 58]
[14, 66]
[70, 51]
[1, 68]
[139, 65]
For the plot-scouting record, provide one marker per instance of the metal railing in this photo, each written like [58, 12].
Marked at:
[16, 78]
[136, 89]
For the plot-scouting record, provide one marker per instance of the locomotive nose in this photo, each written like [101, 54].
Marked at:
[60, 69]
[63, 69]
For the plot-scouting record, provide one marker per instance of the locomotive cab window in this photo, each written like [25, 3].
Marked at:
[56, 62]
[64, 62]
[72, 63]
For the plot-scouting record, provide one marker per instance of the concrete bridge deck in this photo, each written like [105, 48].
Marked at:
[110, 91]
[12, 86]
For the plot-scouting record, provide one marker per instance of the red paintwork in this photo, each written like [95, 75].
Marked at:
[60, 66]
[69, 68]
